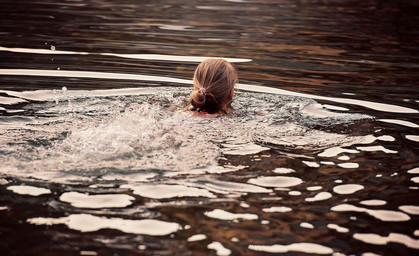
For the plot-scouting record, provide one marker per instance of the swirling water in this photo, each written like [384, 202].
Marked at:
[98, 155]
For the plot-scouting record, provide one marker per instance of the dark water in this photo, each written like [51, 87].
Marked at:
[98, 158]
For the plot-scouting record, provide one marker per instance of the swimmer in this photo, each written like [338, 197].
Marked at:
[214, 81]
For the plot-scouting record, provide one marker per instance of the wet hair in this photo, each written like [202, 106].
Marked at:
[213, 81]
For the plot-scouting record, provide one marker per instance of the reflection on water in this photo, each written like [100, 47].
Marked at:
[90, 223]
[29, 190]
[98, 157]
[296, 247]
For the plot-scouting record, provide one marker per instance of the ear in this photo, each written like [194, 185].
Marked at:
[231, 95]
[228, 100]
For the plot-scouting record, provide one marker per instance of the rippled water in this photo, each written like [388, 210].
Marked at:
[99, 157]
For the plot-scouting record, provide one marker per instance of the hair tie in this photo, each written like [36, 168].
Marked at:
[202, 89]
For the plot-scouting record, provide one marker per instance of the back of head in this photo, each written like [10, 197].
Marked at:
[213, 81]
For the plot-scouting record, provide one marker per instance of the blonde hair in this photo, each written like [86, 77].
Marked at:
[213, 81]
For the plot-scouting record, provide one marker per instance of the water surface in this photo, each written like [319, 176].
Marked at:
[98, 157]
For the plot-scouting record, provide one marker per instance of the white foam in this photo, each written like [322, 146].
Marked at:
[366, 254]
[347, 189]
[53, 175]
[386, 215]
[316, 110]
[245, 149]
[386, 138]
[197, 237]
[311, 164]
[399, 122]
[368, 104]
[29, 190]
[296, 247]
[334, 151]
[203, 170]
[277, 209]
[314, 188]
[413, 137]
[319, 197]
[133, 177]
[414, 171]
[297, 136]
[294, 193]
[244, 205]
[221, 186]
[373, 202]
[40, 51]
[88, 253]
[91, 74]
[410, 209]
[306, 225]
[107, 133]
[175, 58]
[344, 158]
[174, 27]
[383, 215]
[234, 239]
[220, 250]
[116, 142]
[164, 57]
[276, 181]
[224, 215]
[338, 228]
[377, 148]
[160, 191]
[376, 239]
[282, 170]
[96, 201]
[332, 107]
[11, 101]
[277, 198]
[348, 165]
[91, 223]
[48, 95]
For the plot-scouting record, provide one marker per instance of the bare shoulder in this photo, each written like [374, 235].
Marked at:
[207, 114]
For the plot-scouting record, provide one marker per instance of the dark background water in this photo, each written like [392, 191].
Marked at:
[365, 50]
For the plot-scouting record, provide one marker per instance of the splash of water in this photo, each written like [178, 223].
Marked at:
[88, 135]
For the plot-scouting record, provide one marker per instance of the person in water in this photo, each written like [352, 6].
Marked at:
[214, 81]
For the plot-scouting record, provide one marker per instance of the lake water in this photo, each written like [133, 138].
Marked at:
[99, 157]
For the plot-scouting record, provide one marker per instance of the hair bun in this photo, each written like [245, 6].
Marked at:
[197, 98]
